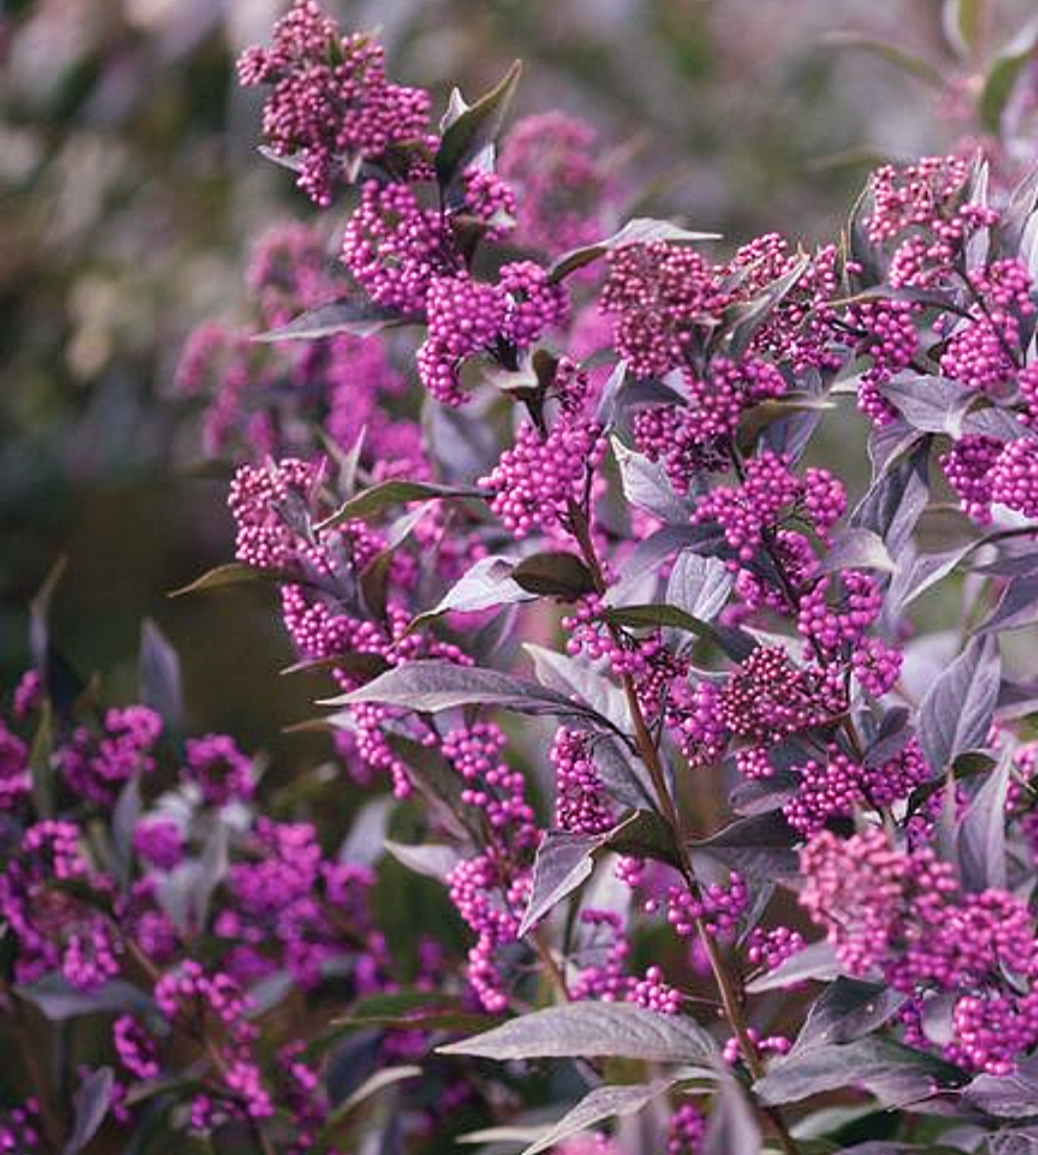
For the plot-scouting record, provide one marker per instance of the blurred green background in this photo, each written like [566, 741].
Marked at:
[131, 190]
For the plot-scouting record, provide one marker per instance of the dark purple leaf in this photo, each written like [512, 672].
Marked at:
[815, 961]
[956, 712]
[892, 505]
[1017, 607]
[895, 1074]
[58, 1000]
[358, 318]
[699, 585]
[846, 1010]
[379, 498]
[760, 846]
[930, 404]
[589, 1030]
[982, 833]
[646, 485]
[489, 583]
[430, 687]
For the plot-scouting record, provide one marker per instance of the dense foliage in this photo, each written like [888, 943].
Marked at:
[661, 815]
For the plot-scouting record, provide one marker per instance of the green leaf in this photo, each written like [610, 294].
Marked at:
[233, 573]
[473, 129]
[640, 231]
[962, 21]
[379, 498]
[358, 318]
[555, 573]
[41, 767]
[589, 1030]
[894, 54]
[1003, 75]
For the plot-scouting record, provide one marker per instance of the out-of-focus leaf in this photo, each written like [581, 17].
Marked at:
[640, 231]
[1003, 75]
[732, 1128]
[956, 712]
[589, 1030]
[894, 54]
[160, 682]
[58, 1000]
[90, 1105]
[962, 21]
[431, 859]
[598, 1105]
[358, 318]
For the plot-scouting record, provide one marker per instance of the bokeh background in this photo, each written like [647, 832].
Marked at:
[130, 190]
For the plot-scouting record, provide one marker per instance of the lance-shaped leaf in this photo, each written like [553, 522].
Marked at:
[894, 502]
[431, 686]
[699, 585]
[815, 961]
[640, 231]
[91, 1103]
[760, 846]
[857, 548]
[379, 498]
[598, 1105]
[556, 573]
[1003, 75]
[646, 485]
[982, 833]
[1017, 607]
[58, 1000]
[358, 318]
[732, 1128]
[589, 1030]
[160, 682]
[232, 574]
[569, 676]
[736, 643]
[565, 861]
[431, 859]
[894, 1073]
[956, 713]
[488, 584]
[745, 319]
[846, 1010]
[930, 404]
[472, 129]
